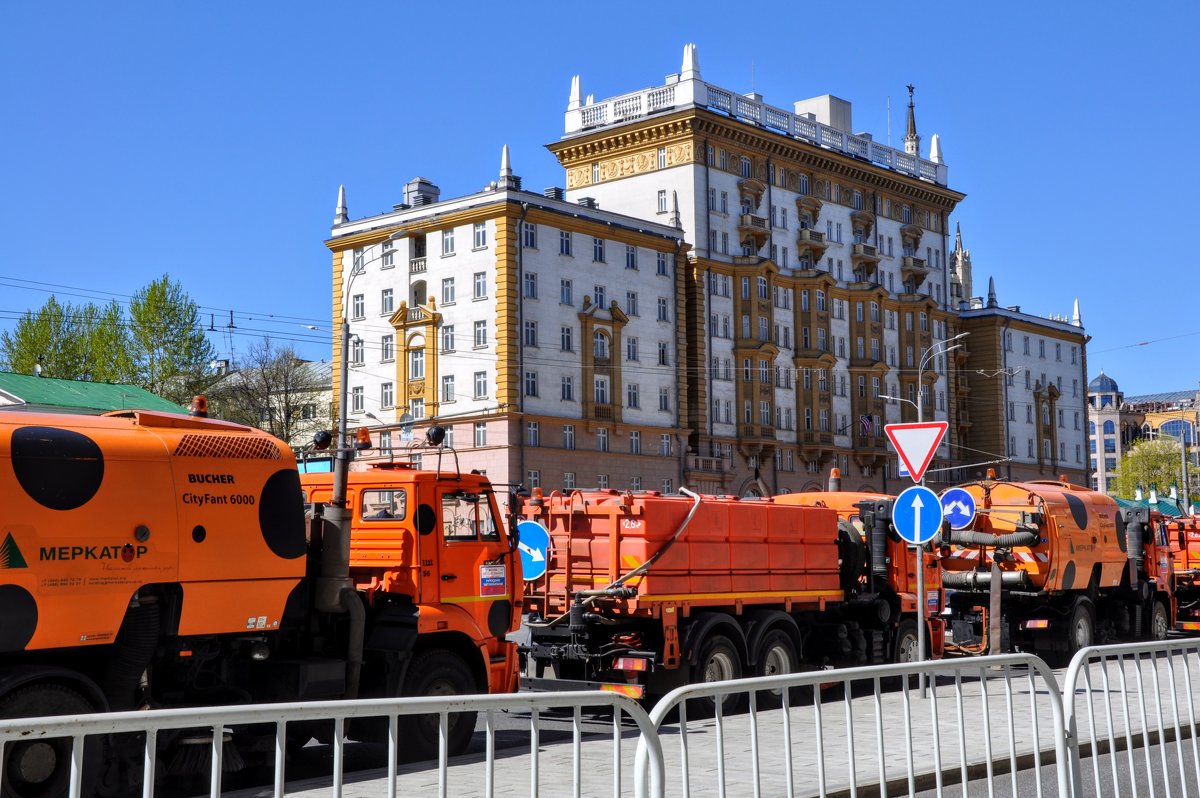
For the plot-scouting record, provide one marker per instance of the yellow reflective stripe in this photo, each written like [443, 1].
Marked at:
[472, 599]
[836, 594]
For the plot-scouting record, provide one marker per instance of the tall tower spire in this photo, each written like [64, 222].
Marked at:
[1076, 319]
[912, 142]
[341, 215]
[507, 178]
[958, 247]
[991, 300]
[961, 284]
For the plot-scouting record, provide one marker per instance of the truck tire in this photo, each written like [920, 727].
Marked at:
[42, 768]
[776, 655]
[905, 643]
[718, 661]
[1160, 624]
[436, 672]
[1081, 630]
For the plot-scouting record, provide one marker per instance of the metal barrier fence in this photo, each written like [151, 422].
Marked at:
[837, 732]
[216, 720]
[1134, 673]
[837, 728]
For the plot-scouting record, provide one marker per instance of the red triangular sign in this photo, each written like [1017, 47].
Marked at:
[916, 444]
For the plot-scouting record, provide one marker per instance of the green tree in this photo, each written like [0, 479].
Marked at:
[1149, 462]
[86, 342]
[168, 348]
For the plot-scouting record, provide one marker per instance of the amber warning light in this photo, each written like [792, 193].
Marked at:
[362, 439]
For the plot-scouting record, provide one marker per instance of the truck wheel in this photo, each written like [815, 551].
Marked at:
[436, 673]
[42, 768]
[904, 648]
[1160, 624]
[718, 661]
[776, 655]
[1081, 632]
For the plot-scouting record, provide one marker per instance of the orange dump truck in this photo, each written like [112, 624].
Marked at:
[1183, 537]
[155, 560]
[643, 592]
[1074, 569]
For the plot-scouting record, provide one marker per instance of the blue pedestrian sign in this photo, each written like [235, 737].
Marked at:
[533, 541]
[958, 507]
[917, 515]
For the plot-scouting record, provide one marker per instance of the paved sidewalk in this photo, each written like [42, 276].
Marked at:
[878, 729]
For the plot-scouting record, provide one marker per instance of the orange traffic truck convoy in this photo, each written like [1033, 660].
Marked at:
[156, 560]
[643, 592]
[1074, 570]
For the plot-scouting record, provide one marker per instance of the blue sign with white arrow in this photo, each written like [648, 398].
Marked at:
[533, 541]
[917, 515]
[958, 506]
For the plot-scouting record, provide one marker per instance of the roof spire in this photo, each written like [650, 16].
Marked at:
[935, 149]
[573, 101]
[958, 247]
[991, 300]
[1076, 319]
[691, 63]
[341, 216]
[674, 220]
[507, 179]
[912, 142]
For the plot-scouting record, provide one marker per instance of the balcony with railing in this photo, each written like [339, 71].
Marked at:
[913, 269]
[708, 465]
[602, 413]
[693, 92]
[416, 266]
[812, 243]
[752, 226]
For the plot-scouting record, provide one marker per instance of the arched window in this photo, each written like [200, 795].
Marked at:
[1110, 428]
[1177, 428]
[600, 344]
[1091, 427]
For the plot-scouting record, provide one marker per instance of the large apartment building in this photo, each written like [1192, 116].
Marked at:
[818, 279]
[540, 333]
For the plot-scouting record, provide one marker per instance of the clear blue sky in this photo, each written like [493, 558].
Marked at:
[208, 140]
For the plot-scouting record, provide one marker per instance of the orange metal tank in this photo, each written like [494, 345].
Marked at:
[97, 506]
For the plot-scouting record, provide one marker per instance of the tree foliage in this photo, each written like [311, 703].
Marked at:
[161, 346]
[271, 388]
[168, 346]
[75, 342]
[1155, 461]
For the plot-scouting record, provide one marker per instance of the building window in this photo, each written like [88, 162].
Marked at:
[600, 390]
[533, 433]
[599, 296]
[631, 303]
[661, 264]
[417, 408]
[664, 354]
[448, 388]
[531, 288]
[480, 433]
[663, 309]
[599, 345]
[387, 346]
[385, 301]
[480, 235]
[602, 481]
[602, 439]
[567, 338]
[568, 436]
[565, 243]
[356, 351]
[480, 334]
[389, 257]
[356, 399]
[529, 235]
[565, 294]
[662, 200]
[631, 349]
[635, 442]
[448, 338]
[568, 480]
[480, 282]
[568, 389]
[747, 168]
[387, 395]
[664, 445]
[448, 241]
[531, 336]
[481, 385]
[416, 364]
[664, 398]
[448, 291]
[358, 307]
[631, 261]
[598, 250]
[631, 396]
[531, 383]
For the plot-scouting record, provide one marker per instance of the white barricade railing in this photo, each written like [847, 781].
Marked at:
[837, 727]
[217, 719]
[1118, 695]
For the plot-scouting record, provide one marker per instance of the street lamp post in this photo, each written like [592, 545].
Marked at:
[922, 606]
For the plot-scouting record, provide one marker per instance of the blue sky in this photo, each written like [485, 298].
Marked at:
[208, 140]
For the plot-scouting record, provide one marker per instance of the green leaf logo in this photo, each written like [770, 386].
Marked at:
[10, 555]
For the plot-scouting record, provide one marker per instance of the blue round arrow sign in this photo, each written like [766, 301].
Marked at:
[533, 541]
[917, 515]
[959, 508]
